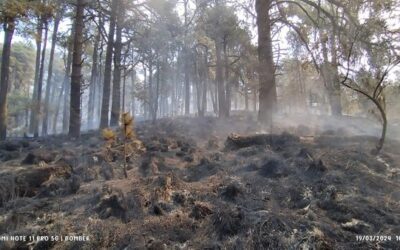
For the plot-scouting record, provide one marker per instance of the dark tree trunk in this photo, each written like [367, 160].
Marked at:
[228, 86]
[186, 60]
[76, 74]
[220, 81]
[133, 79]
[39, 33]
[205, 84]
[8, 28]
[98, 97]
[214, 97]
[105, 105]
[187, 82]
[335, 99]
[40, 81]
[67, 87]
[50, 75]
[123, 91]
[93, 81]
[151, 92]
[267, 95]
[155, 102]
[116, 93]
[254, 100]
[246, 99]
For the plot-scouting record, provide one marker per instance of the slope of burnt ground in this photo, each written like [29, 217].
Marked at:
[203, 184]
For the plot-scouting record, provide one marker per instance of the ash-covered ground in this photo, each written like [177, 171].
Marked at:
[205, 183]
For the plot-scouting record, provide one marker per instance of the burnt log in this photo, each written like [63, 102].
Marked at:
[235, 141]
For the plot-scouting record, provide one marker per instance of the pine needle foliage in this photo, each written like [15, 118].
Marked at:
[123, 145]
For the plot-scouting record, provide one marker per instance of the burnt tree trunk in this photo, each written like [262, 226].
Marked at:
[67, 88]
[267, 95]
[50, 75]
[228, 86]
[76, 75]
[105, 105]
[40, 81]
[220, 81]
[187, 82]
[8, 28]
[39, 34]
[116, 93]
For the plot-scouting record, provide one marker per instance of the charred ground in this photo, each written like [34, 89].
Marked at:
[198, 186]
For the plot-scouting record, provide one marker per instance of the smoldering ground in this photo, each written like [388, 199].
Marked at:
[206, 183]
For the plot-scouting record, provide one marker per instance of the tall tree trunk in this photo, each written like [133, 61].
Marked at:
[228, 87]
[246, 99]
[39, 34]
[197, 82]
[151, 92]
[76, 74]
[155, 103]
[116, 93]
[8, 28]
[98, 97]
[205, 83]
[50, 74]
[105, 104]
[133, 80]
[266, 71]
[57, 108]
[67, 87]
[214, 97]
[335, 100]
[40, 81]
[93, 81]
[187, 83]
[186, 60]
[123, 90]
[222, 112]
[146, 104]
[254, 100]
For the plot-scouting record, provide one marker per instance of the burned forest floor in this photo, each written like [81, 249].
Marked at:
[205, 183]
